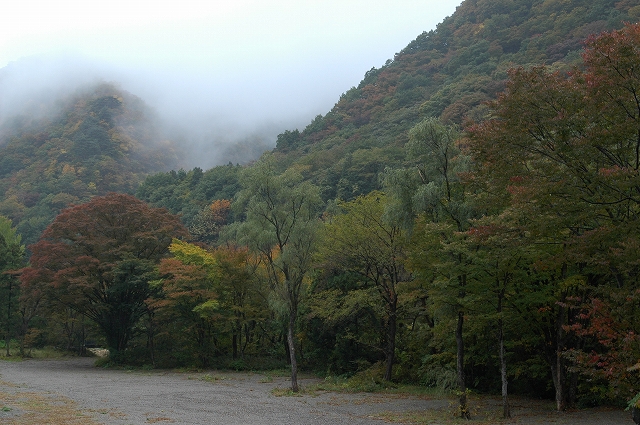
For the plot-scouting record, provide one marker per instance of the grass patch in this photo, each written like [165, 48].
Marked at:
[107, 362]
[207, 377]
[35, 353]
[28, 408]
[359, 385]
[370, 381]
[11, 358]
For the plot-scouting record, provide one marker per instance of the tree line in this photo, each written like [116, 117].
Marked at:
[502, 258]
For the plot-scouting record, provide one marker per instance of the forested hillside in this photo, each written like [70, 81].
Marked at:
[466, 218]
[98, 140]
[446, 73]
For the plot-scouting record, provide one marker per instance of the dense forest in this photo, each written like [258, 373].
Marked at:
[464, 218]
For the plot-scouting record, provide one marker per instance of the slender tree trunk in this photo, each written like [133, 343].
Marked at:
[152, 350]
[23, 336]
[24, 328]
[234, 344]
[462, 388]
[83, 337]
[247, 338]
[391, 346]
[559, 372]
[7, 335]
[292, 351]
[151, 338]
[506, 411]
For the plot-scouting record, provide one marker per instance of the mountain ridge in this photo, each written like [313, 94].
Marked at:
[446, 73]
[99, 140]
[108, 140]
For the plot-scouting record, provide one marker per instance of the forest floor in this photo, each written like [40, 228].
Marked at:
[74, 391]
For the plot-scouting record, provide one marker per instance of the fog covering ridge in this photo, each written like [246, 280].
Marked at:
[190, 109]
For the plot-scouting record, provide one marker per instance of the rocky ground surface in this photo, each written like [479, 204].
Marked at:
[104, 396]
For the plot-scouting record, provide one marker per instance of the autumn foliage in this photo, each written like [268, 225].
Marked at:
[383, 240]
[98, 259]
[560, 165]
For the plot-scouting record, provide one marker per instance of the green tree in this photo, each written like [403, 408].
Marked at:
[98, 258]
[562, 154]
[282, 218]
[359, 240]
[242, 297]
[12, 254]
[499, 267]
[206, 225]
[432, 191]
[188, 299]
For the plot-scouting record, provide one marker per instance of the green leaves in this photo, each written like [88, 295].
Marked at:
[98, 258]
[560, 158]
[282, 217]
[282, 214]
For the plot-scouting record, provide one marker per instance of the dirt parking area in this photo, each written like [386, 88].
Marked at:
[73, 391]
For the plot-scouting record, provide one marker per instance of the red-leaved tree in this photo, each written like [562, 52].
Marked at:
[98, 258]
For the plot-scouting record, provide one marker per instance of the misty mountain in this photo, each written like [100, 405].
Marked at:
[97, 140]
[187, 107]
[446, 73]
[62, 145]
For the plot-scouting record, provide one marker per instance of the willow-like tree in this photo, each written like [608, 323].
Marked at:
[99, 257]
[432, 194]
[282, 219]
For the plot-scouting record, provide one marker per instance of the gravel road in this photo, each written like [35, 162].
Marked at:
[143, 397]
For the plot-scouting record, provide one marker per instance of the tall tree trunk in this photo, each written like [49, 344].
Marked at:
[462, 388]
[391, 346]
[506, 411]
[24, 328]
[292, 351]
[151, 337]
[234, 344]
[558, 370]
[22, 345]
[7, 335]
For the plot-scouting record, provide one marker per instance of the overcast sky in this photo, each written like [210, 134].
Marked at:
[235, 64]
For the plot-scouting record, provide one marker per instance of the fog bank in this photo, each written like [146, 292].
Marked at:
[225, 77]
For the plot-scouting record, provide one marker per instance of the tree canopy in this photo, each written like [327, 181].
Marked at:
[414, 233]
[98, 258]
[282, 217]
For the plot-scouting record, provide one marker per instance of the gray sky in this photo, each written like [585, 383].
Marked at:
[231, 67]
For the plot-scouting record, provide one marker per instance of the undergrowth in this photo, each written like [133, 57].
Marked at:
[370, 380]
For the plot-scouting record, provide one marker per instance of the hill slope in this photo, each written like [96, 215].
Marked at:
[447, 73]
[98, 141]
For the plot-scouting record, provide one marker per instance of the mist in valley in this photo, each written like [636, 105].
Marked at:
[212, 121]
[221, 82]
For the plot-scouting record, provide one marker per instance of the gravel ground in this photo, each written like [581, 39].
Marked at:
[143, 397]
